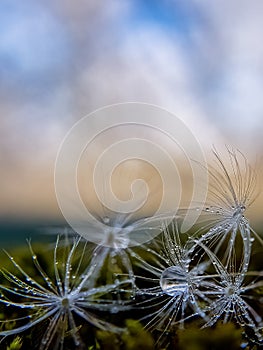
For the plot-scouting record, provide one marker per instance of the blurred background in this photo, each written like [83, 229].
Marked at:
[60, 60]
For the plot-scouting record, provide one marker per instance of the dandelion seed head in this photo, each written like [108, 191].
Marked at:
[65, 302]
[116, 237]
[58, 300]
[232, 190]
[178, 287]
[232, 291]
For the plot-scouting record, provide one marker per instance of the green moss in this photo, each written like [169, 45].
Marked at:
[135, 337]
[107, 340]
[16, 344]
[224, 336]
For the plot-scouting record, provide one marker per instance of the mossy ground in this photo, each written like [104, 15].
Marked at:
[222, 336]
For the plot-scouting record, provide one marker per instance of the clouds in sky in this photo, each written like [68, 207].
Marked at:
[202, 60]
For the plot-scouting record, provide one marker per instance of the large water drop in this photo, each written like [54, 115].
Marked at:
[174, 280]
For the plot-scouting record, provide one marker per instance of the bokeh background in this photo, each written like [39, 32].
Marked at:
[60, 60]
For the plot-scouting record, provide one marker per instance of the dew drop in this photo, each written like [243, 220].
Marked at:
[174, 280]
[114, 309]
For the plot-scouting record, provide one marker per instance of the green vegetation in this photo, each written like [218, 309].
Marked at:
[134, 336]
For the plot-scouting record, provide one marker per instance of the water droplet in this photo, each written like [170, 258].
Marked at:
[114, 309]
[174, 280]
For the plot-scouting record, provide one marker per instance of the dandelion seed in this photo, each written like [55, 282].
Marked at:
[121, 235]
[232, 192]
[178, 288]
[231, 296]
[57, 301]
[115, 234]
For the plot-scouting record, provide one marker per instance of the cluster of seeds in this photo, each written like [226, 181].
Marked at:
[204, 274]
